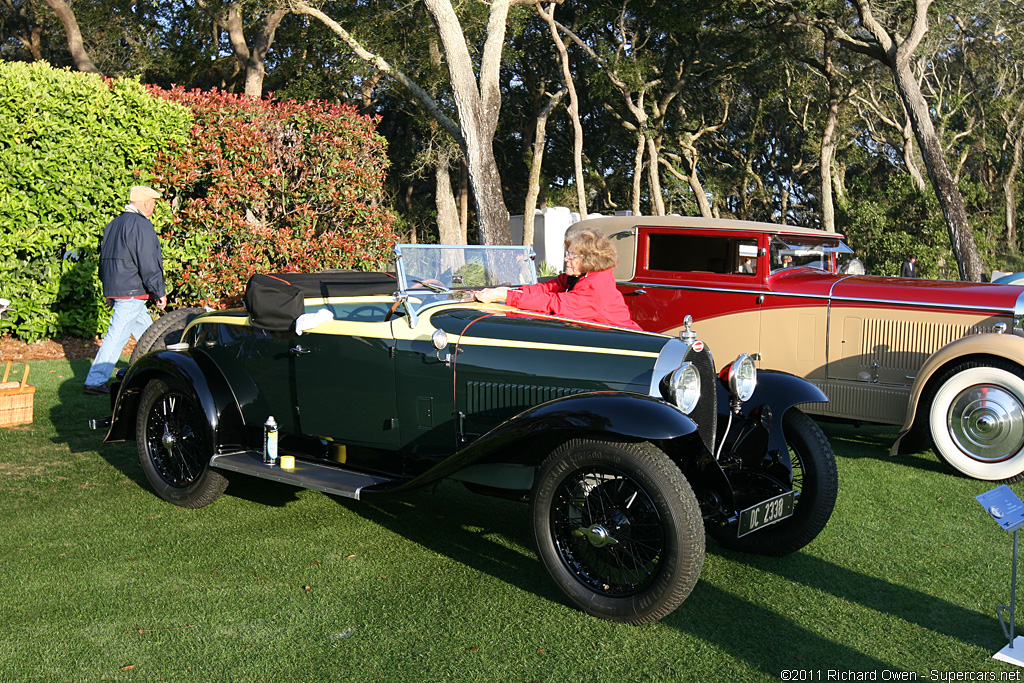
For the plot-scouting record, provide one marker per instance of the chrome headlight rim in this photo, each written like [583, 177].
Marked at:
[742, 377]
[682, 387]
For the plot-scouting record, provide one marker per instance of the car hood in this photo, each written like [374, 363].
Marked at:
[980, 296]
[517, 328]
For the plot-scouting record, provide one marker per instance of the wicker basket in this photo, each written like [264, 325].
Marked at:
[16, 399]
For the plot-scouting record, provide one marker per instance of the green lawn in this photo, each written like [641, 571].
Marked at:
[102, 581]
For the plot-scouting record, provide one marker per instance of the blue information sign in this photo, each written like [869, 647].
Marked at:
[1004, 506]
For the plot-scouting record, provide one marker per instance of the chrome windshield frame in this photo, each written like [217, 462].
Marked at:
[412, 289]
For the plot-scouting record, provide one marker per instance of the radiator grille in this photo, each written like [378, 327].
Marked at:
[706, 412]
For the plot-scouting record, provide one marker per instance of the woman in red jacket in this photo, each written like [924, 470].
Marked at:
[585, 291]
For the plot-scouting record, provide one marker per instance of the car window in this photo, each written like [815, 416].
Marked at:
[681, 253]
[791, 251]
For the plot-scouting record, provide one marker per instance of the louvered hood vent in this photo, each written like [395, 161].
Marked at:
[487, 396]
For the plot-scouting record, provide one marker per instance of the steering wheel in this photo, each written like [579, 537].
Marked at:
[391, 311]
[433, 285]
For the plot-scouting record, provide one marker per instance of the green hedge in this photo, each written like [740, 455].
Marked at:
[70, 147]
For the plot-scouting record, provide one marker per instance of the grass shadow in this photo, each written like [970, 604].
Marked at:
[70, 415]
[764, 639]
[260, 491]
[489, 535]
[857, 442]
[902, 602]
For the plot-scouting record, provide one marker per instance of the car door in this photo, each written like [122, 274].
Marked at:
[424, 381]
[345, 379]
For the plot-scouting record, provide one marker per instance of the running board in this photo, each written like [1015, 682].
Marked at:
[306, 474]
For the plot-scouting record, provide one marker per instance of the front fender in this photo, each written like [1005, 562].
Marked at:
[530, 436]
[776, 392]
[194, 372]
[1007, 346]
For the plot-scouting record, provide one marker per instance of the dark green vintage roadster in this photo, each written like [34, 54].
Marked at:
[628, 445]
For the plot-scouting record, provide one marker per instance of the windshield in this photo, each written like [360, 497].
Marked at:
[793, 251]
[429, 273]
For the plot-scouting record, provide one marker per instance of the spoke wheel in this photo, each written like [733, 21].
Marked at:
[618, 528]
[816, 481]
[608, 531]
[175, 447]
[977, 420]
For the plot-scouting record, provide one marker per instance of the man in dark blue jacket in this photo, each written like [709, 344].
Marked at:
[132, 272]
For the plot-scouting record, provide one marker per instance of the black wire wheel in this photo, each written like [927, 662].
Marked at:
[175, 446]
[618, 529]
[165, 330]
[816, 481]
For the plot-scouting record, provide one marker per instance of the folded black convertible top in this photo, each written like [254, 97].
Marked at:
[274, 301]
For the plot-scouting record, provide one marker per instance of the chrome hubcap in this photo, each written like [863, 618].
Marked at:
[987, 422]
[597, 535]
[167, 441]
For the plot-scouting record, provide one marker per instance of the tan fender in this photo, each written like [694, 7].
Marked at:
[1007, 346]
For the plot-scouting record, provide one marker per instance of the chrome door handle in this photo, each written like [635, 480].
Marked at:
[637, 292]
[299, 351]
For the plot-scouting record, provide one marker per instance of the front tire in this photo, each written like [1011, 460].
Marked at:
[618, 529]
[976, 420]
[175, 447]
[815, 479]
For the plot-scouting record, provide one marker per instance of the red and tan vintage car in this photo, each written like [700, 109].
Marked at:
[944, 360]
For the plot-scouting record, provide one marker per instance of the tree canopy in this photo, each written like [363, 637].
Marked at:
[898, 122]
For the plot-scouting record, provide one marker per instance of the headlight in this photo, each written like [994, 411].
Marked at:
[741, 377]
[682, 387]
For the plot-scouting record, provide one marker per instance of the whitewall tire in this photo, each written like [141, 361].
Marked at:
[977, 420]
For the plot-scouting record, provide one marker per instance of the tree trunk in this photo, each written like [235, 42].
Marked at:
[536, 163]
[22, 29]
[828, 147]
[690, 178]
[74, 36]
[828, 150]
[896, 54]
[1010, 195]
[448, 228]
[638, 173]
[950, 200]
[574, 109]
[693, 180]
[252, 61]
[478, 106]
[654, 178]
[464, 201]
[256, 69]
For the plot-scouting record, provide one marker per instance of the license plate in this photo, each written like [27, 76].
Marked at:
[766, 512]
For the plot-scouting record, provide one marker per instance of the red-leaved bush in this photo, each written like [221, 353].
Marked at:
[262, 186]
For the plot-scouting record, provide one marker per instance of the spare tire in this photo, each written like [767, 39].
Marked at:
[165, 330]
